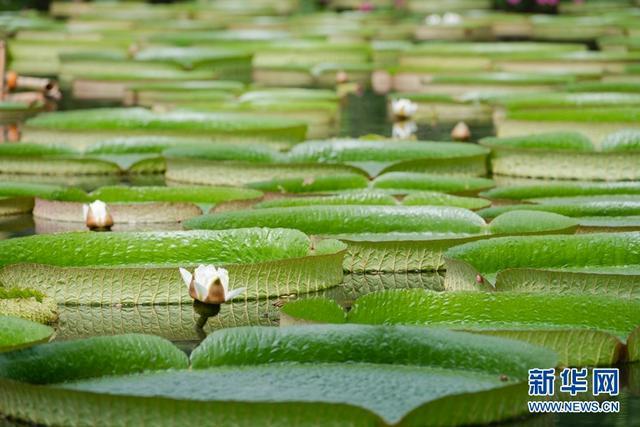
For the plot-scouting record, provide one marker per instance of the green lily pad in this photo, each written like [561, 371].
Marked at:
[524, 222]
[384, 238]
[434, 198]
[311, 311]
[579, 335]
[140, 205]
[422, 181]
[91, 124]
[328, 220]
[569, 100]
[314, 180]
[562, 189]
[393, 345]
[91, 358]
[132, 268]
[443, 368]
[17, 333]
[598, 264]
[385, 155]
[347, 198]
[597, 212]
[556, 155]
[51, 159]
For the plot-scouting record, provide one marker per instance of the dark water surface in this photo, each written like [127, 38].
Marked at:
[366, 114]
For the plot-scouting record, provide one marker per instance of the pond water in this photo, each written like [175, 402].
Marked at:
[366, 114]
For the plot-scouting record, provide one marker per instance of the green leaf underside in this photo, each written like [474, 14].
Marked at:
[16, 333]
[357, 284]
[15, 293]
[173, 321]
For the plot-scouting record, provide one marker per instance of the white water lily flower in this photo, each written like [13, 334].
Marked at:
[433, 19]
[403, 108]
[451, 18]
[461, 132]
[209, 284]
[404, 130]
[97, 216]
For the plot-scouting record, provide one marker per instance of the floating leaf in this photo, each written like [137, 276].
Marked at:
[90, 358]
[599, 263]
[16, 333]
[135, 268]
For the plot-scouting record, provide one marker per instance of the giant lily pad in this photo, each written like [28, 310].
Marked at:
[90, 358]
[16, 333]
[597, 212]
[379, 197]
[385, 238]
[140, 204]
[82, 127]
[345, 198]
[544, 189]
[387, 155]
[569, 100]
[598, 264]
[17, 197]
[564, 156]
[587, 334]
[136, 268]
[260, 166]
[596, 123]
[44, 159]
[306, 381]
[430, 182]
